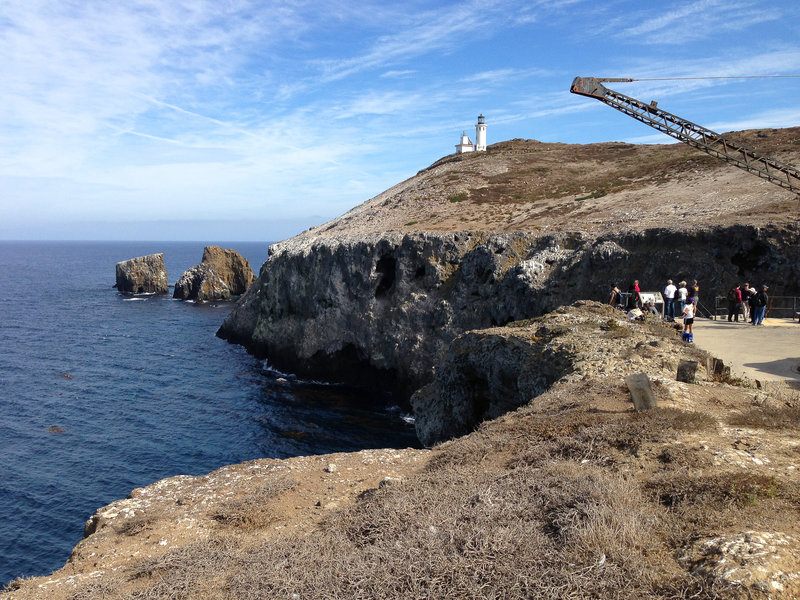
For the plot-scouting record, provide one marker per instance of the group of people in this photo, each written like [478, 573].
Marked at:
[682, 301]
[748, 301]
[679, 300]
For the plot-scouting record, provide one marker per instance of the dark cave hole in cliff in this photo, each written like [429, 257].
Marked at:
[386, 267]
[420, 272]
[747, 261]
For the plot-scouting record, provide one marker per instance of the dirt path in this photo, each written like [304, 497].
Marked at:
[768, 353]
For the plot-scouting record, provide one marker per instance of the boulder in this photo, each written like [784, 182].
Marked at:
[142, 275]
[201, 283]
[231, 267]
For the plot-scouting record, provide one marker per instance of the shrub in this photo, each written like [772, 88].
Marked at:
[458, 197]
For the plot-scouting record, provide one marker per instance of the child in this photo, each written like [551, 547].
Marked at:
[688, 319]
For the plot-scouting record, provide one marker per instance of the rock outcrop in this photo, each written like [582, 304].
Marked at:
[142, 275]
[487, 373]
[219, 276]
[231, 267]
[201, 283]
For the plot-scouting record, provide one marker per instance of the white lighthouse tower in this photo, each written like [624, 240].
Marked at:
[480, 134]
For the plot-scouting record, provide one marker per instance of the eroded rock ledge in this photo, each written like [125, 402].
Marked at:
[382, 309]
[487, 373]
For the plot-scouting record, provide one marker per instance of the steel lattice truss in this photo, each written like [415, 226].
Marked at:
[694, 135]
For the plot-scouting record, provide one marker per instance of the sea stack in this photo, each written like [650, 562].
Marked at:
[232, 268]
[201, 283]
[220, 275]
[142, 275]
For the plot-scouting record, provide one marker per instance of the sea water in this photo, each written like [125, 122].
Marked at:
[101, 393]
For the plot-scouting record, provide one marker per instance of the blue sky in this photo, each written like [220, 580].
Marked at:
[252, 120]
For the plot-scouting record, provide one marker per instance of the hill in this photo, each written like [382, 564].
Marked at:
[525, 185]
[376, 296]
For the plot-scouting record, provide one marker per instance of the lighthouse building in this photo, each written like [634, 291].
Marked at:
[466, 144]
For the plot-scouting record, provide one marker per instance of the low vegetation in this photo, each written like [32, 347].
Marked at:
[577, 496]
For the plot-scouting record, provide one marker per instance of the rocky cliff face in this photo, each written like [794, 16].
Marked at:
[383, 308]
[487, 373]
[142, 275]
[376, 296]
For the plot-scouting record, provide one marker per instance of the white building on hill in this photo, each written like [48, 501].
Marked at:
[466, 144]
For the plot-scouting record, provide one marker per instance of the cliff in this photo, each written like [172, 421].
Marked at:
[376, 296]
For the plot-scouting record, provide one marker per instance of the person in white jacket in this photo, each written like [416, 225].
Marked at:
[669, 300]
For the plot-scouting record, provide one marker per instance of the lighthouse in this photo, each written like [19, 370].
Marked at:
[480, 134]
[466, 144]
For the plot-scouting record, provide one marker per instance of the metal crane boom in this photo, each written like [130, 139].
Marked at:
[699, 137]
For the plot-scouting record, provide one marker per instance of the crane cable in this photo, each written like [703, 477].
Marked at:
[629, 79]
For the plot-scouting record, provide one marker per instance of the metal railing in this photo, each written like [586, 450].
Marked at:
[778, 307]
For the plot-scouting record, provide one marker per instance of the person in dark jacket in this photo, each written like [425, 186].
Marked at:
[634, 300]
[694, 291]
[615, 299]
[734, 303]
[761, 299]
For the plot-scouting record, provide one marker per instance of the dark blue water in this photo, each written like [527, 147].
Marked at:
[101, 393]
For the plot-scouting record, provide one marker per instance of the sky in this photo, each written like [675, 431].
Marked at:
[252, 120]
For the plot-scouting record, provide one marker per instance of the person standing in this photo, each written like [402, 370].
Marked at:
[634, 299]
[761, 305]
[688, 320]
[744, 293]
[615, 299]
[734, 303]
[694, 292]
[669, 300]
[682, 294]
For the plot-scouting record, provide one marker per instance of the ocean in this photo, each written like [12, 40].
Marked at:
[101, 393]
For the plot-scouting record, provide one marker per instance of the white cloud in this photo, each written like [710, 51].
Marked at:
[700, 19]
[398, 74]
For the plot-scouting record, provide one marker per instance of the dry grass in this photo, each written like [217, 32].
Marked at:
[252, 510]
[562, 500]
[530, 533]
[785, 417]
